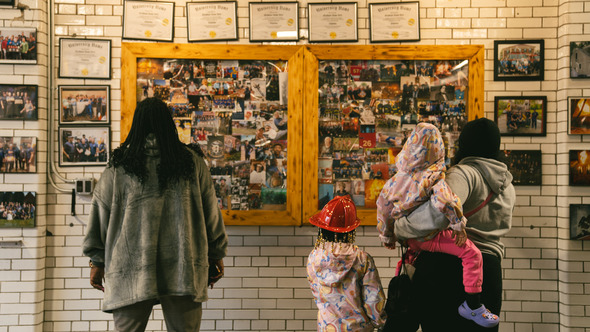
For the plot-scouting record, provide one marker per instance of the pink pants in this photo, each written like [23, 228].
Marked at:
[469, 254]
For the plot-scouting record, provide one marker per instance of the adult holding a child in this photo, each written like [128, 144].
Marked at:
[483, 187]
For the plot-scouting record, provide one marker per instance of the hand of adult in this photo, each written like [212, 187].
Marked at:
[391, 245]
[216, 269]
[96, 277]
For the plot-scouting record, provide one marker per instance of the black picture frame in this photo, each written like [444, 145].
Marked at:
[7, 3]
[392, 9]
[91, 105]
[274, 36]
[579, 167]
[580, 59]
[75, 155]
[25, 218]
[519, 60]
[579, 221]
[578, 119]
[148, 20]
[13, 55]
[13, 108]
[333, 37]
[525, 166]
[520, 115]
[23, 158]
[97, 66]
[212, 35]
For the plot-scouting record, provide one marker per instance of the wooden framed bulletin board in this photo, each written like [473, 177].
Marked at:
[361, 103]
[236, 102]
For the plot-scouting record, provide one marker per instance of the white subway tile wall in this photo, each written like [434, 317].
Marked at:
[44, 280]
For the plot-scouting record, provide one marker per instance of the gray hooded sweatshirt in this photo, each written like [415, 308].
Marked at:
[154, 244]
[471, 180]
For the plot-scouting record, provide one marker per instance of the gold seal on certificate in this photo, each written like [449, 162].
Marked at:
[84, 58]
[327, 18]
[274, 21]
[403, 18]
[212, 21]
[148, 20]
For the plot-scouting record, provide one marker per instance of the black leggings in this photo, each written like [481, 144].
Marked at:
[438, 284]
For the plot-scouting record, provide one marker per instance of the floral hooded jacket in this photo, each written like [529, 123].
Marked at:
[346, 287]
[420, 177]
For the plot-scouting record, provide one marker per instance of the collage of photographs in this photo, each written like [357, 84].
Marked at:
[367, 109]
[237, 112]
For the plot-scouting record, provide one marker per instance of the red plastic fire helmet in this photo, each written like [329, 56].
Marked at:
[338, 215]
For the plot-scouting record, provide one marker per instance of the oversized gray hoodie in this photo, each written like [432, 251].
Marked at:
[471, 180]
[154, 244]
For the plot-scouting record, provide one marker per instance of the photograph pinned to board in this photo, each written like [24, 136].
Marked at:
[84, 58]
[18, 102]
[519, 60]
[212, 21]
[84, 146]
[578, 115]
[18, 154]
[19, 45]
[580, 59]
[148, 20]
[17, 209]
[394, 22]
[521, 115]
[579, 221]
[88, 104]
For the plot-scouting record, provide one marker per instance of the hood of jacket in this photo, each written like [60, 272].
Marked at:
[334, 268]
[494, 172]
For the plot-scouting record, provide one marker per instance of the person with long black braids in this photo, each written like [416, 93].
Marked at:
[155, 230]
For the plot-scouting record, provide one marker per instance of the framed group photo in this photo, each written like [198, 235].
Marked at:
[84, 58]
[18, 102]
[21, 45]
[579, 168]
[578, 115]
[394, 22]
[17, 209]
[18, 154]
[84, 146]
[580, 59]
[212, 21]
[148, 20]
[579, 221]
[521, 116]
[519, 60]
[84, 104]
[525, 166]
[333, 22]
[274, 21]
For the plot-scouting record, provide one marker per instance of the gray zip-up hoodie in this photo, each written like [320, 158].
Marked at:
[471, 180]
[154, 244]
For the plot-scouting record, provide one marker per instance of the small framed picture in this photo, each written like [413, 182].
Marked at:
[578, 115]
[519, 60]
[580, 221]
[148, 20]
[274, 21]
[17, 209]
[84, 104]
[579, 168]
[580, 59]
[85, 58]
[18, 102]
[6, 3]
[394, 22]
[521, 116]
[212, 21]
[84, 146]
[525, 166]
[333, 22]
[18, 154]
[19, 45]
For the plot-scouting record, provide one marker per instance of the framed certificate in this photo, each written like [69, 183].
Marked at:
[212, 21]
[394, 22]
[333, 22]
[274, 21]
[84, 58]
[148, 20]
